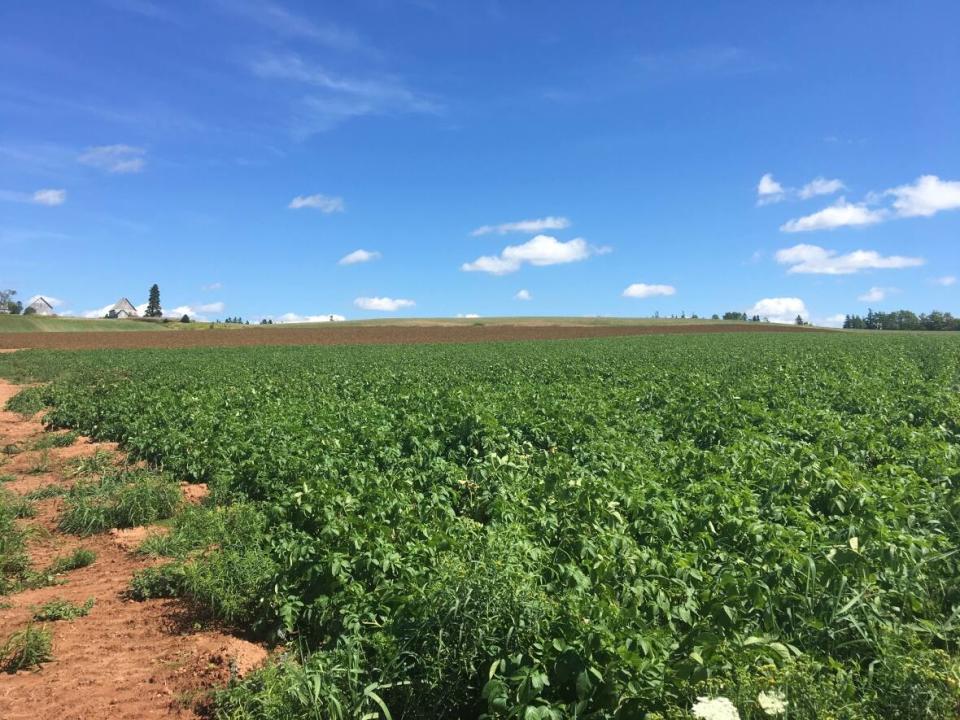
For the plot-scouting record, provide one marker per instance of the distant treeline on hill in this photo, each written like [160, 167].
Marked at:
[902, 320]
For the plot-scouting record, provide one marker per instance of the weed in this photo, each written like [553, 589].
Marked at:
[46, 492]
[28, 402]
[159, 581]
[14, 562]
[55, 440]
[95, 464]
[60, 609]
[122, 498]
[27, 648]
[41, 465]
[79, 558]
[7, 477]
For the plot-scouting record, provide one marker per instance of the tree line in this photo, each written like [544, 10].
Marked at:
[902, 320]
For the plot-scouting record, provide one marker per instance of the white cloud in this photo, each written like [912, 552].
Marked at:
[840, 214]
[876, 294]
[141, 308]
[833, 320]
[120, 159]
[769, 190]
[782, 310]
[54, 302]
[382, 303]
[818, 260]
[212, 286]
[927, 196]
[467, 315]
[523, 295]
[50, 197]
[524, 226]
[97, 313]
[820, 186]
[540, 250]
[359, 256]
[945, 280]
[295, 318]
[214, 307]
[642, 290]
[323, 203]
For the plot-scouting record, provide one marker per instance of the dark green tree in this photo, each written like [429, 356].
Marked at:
[153, 304]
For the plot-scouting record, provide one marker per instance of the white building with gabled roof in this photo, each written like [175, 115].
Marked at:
[123, 308]
[40, 306]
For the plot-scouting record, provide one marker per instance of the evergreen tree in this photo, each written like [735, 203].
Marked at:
[153, 304]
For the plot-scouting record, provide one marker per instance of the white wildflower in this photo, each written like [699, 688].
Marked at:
[717, 708]
[772, 703]
[854, 543]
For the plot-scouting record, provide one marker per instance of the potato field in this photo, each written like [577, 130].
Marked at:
[607, 528]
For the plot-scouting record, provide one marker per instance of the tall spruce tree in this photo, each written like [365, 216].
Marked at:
[153, 304]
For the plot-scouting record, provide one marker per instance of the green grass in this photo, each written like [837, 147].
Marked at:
[55, 440]
[120, 498]
[26, 649]
[60, 609]
[88, 465]
[14, 562]
[34, 323]
[46, 492]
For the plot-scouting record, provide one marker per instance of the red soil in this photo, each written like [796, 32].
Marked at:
[125, 659]
[359, 335]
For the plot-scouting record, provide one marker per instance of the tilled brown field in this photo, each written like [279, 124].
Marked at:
[357, 335]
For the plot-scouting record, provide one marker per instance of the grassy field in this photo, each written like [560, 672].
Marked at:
[604, 528]
[36, 323]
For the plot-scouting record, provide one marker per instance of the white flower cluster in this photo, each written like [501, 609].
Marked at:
[772, 703]
[716, 708]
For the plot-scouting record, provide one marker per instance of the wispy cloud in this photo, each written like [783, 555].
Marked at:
[47, 196]
[540, 250]
[523, 295]
[945, 280]
[332, 99]
[699, 61]
[524, 226]
[812, 259]
[119, 159]
[284, 22]
[292, 317]
[212, 286]
[359, 256]
[324, 203]
[643, 290]
[384, 304]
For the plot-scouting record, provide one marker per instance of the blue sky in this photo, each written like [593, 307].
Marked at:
[491, 158]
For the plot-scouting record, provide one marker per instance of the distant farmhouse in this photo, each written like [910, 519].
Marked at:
[123, 308]
[39, 307]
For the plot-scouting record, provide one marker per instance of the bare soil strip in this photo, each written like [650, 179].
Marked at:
[359, 335]
[125, 659]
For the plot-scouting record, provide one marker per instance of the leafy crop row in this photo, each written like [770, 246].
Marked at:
[604, 528]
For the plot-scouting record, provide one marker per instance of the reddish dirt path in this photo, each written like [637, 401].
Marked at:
[125, 659]
[359, 335]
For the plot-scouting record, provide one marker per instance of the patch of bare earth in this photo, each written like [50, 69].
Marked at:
[125, 659]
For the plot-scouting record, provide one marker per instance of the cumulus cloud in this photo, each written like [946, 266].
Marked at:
[876, 294]
[295, 318]
[524, 226]
[467, 315]
[817, 260]
[642, 290]
[926, 196]
[833, 320]
[323, 203]
[782, 310]
[384, 304]
[945, 280]
[769, 190]
[523, 295]
[119, 159]
[840, 214]
[820, 186]
[359, 256]
[540, 250]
